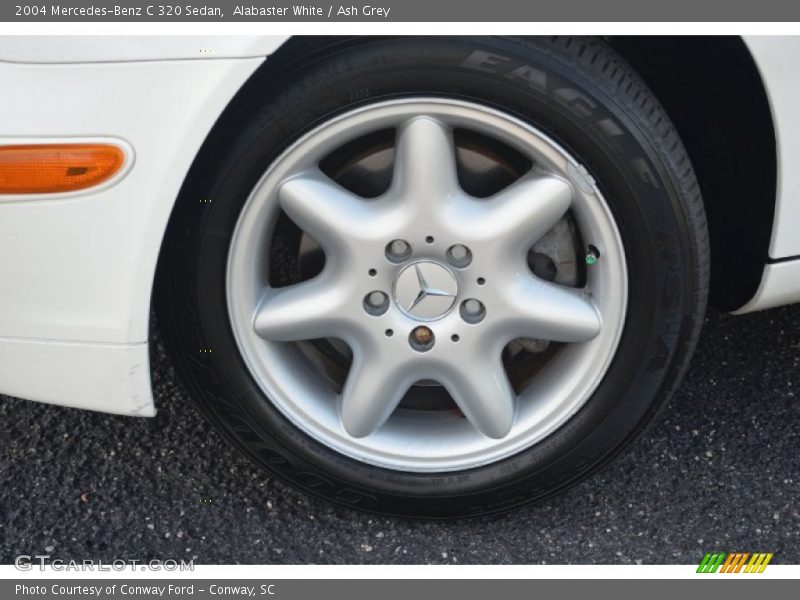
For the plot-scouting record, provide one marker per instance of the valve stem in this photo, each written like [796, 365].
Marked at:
[592, 255]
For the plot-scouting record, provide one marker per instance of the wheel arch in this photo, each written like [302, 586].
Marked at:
[713, 92]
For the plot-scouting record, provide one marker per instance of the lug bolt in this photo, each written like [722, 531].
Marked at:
[421, 338]
[472, 306]
[459, 256]
[376, 298]
[398, 250]
[399, 247]
[422, 334]
[376, 303]
[472, 310]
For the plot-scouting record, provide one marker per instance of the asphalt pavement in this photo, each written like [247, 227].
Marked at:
[719, 470]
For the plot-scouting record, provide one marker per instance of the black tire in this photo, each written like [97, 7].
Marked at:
[642, 170]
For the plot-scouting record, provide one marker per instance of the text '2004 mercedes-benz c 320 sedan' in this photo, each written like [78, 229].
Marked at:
[429, 277]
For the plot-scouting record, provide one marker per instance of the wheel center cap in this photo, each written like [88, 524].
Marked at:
[425, 290]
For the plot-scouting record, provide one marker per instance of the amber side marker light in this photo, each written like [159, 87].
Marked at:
[53, 168]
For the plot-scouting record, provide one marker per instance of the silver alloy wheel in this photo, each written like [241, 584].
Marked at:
[470, 313]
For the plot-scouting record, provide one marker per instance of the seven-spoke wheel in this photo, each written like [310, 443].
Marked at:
[432, 263]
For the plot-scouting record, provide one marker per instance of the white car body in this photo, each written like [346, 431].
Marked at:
[76, 273]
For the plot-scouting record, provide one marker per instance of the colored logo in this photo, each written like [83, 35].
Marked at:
[735, 562]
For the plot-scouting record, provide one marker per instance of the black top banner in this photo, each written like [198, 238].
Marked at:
[401, 11]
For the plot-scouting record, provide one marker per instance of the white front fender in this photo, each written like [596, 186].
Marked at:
[76, 272]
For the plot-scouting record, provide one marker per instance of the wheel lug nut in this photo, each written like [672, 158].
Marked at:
[376, 298]
[422, 334]
[421, 338]
[376, 303]
[399, 247]
[472, 310]
[472, 306]
[459, 256]
[398, 250]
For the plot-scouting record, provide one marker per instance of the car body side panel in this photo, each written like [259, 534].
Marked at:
[76, 272]
[779, 286]
[112, 378]
[778, 61]
[80, 268]
[97, 48]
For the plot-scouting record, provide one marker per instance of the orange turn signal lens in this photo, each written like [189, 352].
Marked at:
[52, 168]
